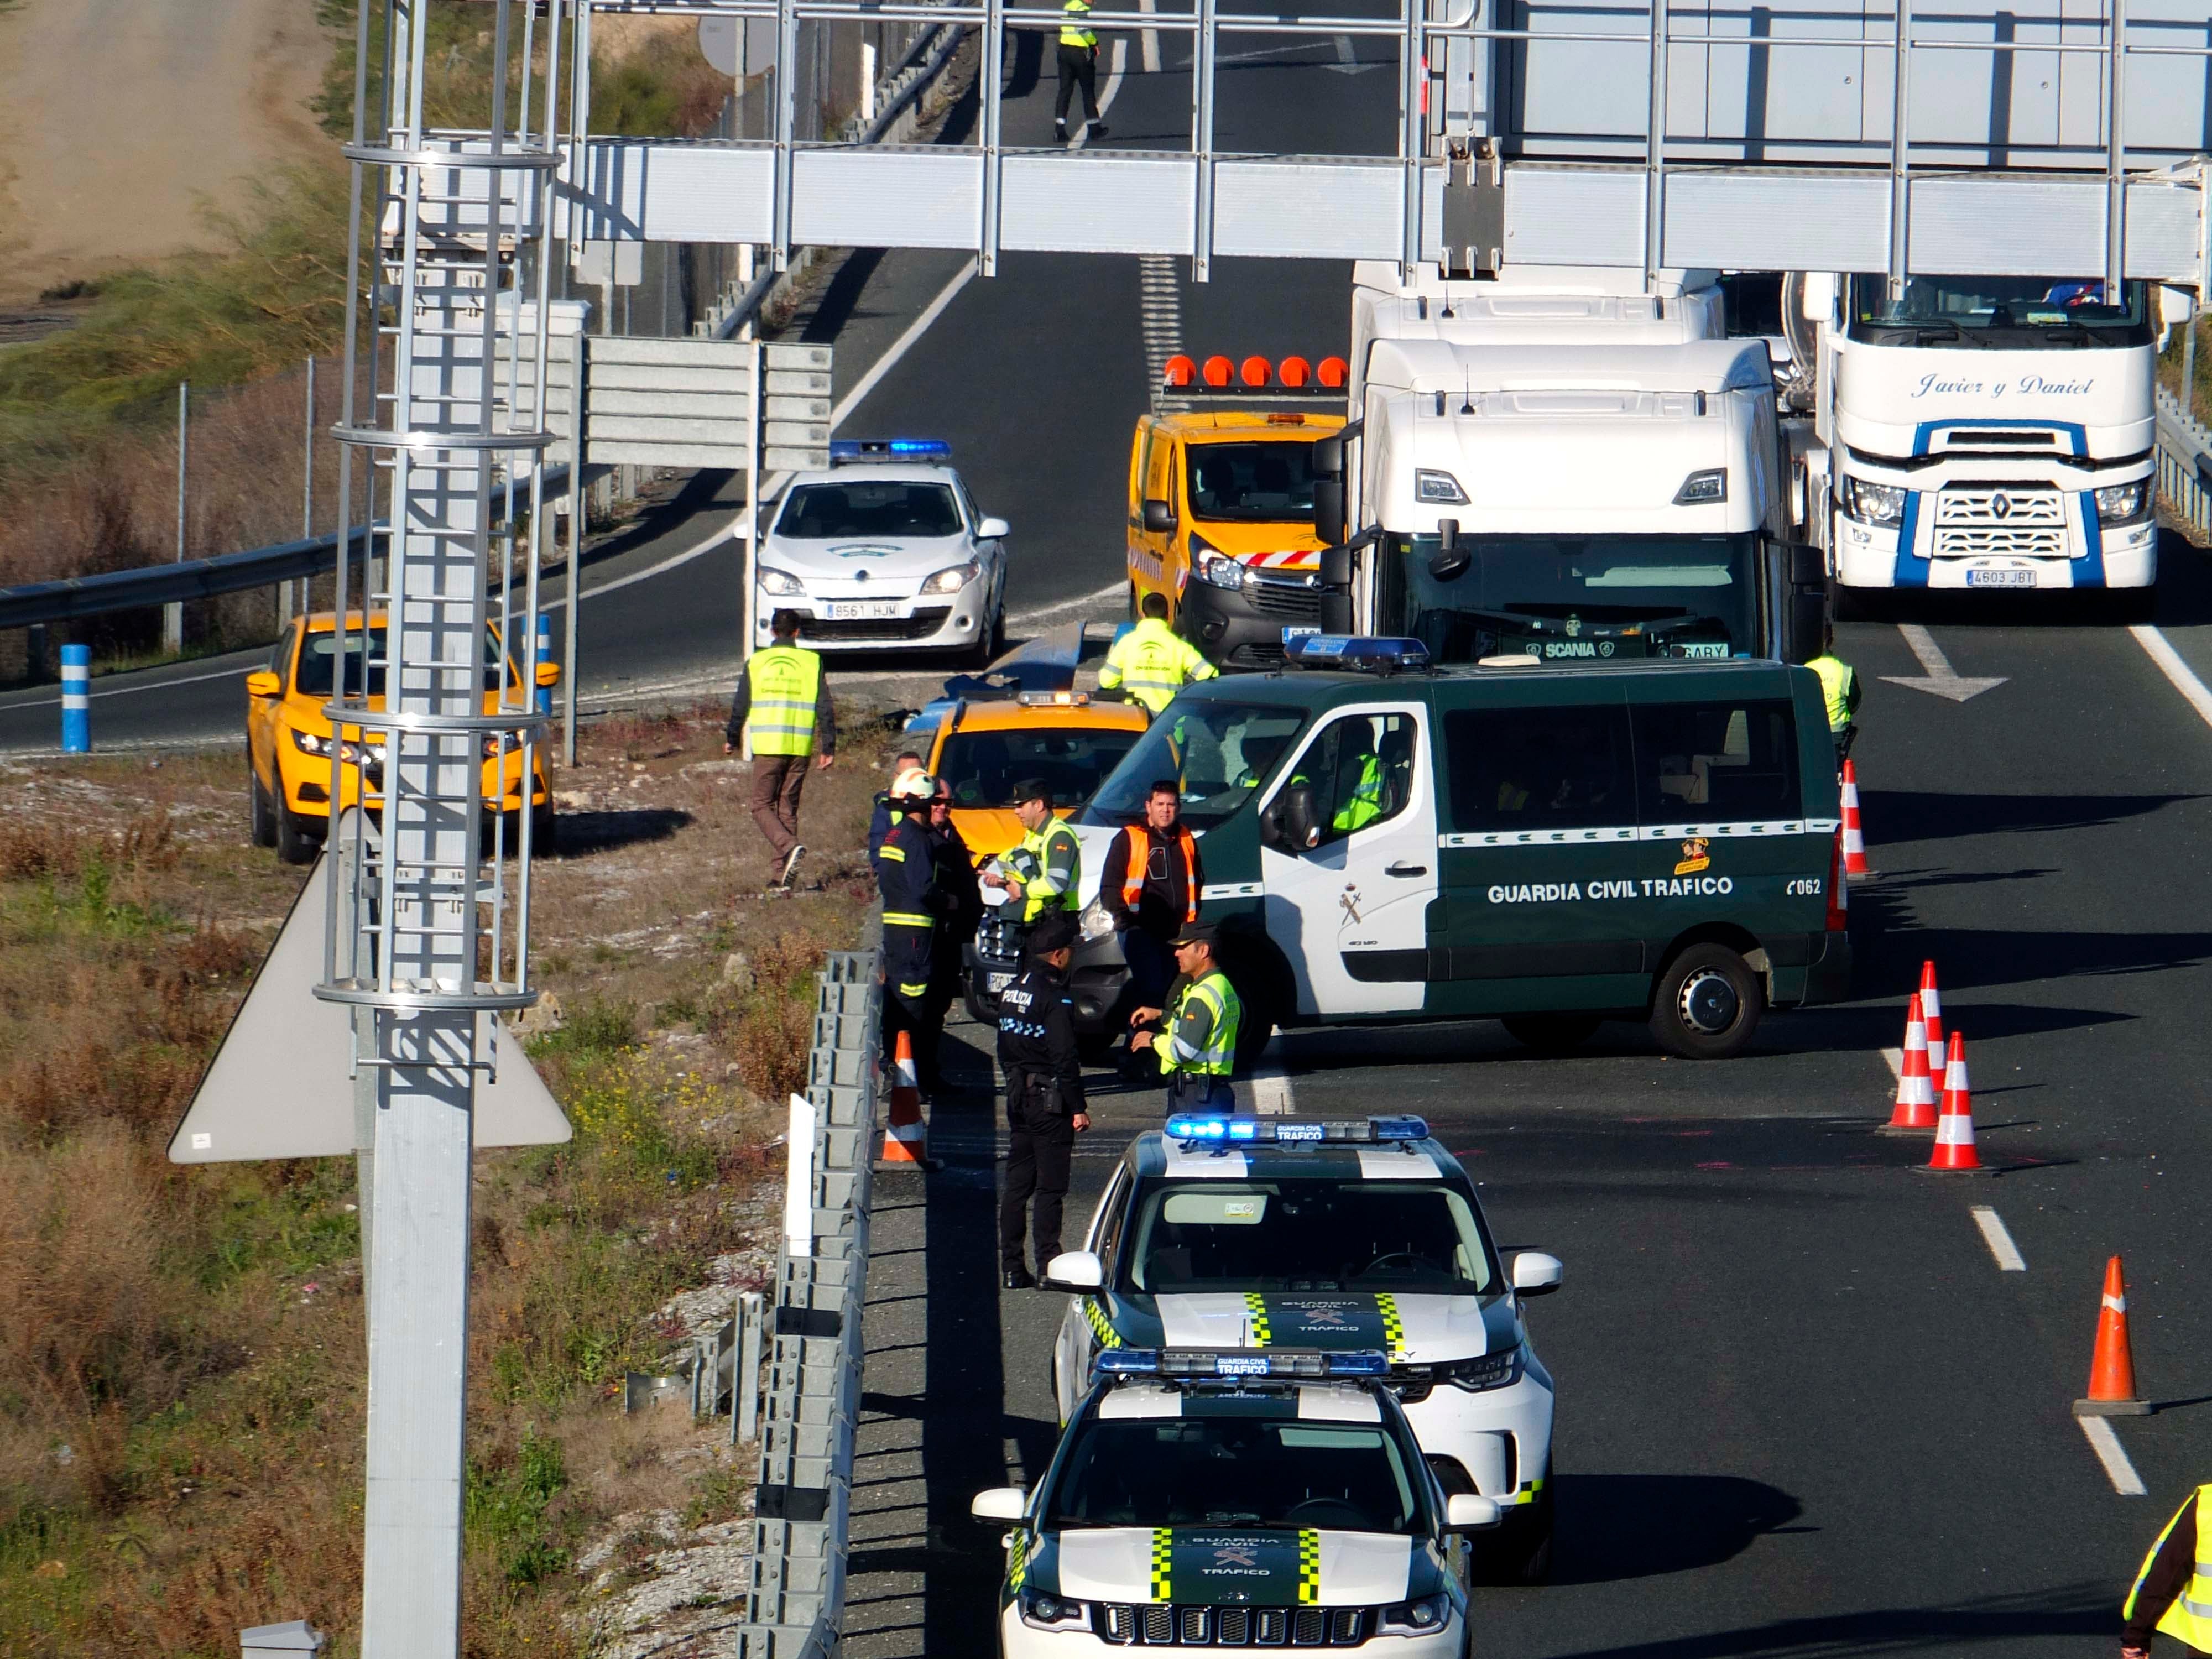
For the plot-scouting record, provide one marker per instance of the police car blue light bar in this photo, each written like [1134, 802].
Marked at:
[889, 449]
[1199, 1364]
[1387, 655]
[1202, 1129]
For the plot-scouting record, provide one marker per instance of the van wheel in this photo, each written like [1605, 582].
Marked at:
[1707, 1004]
[262, 818]
[294, 844]
[1551, 1034]
[1254, 1028]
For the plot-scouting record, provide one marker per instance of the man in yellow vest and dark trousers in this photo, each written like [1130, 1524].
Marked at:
[1151, 662]
[1839, 691]
[1078, 67]
[2173, 1594]
[783, 706]
[1049, 862]
[1195, 1036]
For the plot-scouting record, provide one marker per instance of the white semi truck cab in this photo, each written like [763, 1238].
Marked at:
[1987, 432]
[1545, 467]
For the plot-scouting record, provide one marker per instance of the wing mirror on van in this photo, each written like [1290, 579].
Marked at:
[1073, 1270]
[549, 673]
[264, 682]
[1159, 517]
[994, 530]
[1329, 510]
[1451, 560]
[1299, 831]
[1001, 1503]
[1535, 1273]
[1470, 1511]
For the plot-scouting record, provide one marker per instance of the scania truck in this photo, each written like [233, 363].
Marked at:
[1566, 465]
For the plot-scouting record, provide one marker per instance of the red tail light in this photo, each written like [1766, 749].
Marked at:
[1217, 371]
[1333, 371]
[1294, 371]
[1839, 890]
[1181, 370]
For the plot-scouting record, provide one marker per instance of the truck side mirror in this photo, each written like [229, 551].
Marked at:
[1328, 457]
[1336, 566]
[1299, 831]
[1328, 510]
[1808, 565]
[1809, 623]
[1159, 517]
[1451, 560]
[1819, 302]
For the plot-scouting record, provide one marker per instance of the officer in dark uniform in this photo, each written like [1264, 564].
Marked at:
[1044, 1094]
[906, 876]
[959, 907]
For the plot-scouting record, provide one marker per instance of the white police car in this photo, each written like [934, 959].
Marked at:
[1216, 1499]
[885, 549]
[1263, 1233]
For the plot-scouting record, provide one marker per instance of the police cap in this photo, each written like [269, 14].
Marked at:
[1197, 932]
[1054, 931]
[1030, 789]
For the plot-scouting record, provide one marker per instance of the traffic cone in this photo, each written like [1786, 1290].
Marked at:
[1855, 858]
[1955, 1152]
[1915, 1089]
[1931, 1007]
[2112, 1363]
[906, 1137]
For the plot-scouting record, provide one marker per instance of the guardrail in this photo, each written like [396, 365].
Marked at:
[2185, 465]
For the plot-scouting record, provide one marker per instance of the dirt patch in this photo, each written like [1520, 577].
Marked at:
[194, 98]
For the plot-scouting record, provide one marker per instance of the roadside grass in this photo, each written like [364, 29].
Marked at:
[181, 1349]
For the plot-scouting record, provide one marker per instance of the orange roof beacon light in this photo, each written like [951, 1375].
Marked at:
[1217, 369]
[1294, 371]
[1181, 370]
[1333, 371]
[1255, 371]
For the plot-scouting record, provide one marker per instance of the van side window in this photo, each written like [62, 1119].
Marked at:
[1539, 768]
[280, 655]
[1704, 761]
[1361, 769]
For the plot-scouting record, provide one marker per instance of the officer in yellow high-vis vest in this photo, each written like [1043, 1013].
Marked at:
[1839, 691]
[783, 706]
[1078, 67]
[1151, 662]
[1194, 1037]
[2173, 1593]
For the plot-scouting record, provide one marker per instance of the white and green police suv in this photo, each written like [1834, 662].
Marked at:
[1550, 845]
[1235, 1500]
[1257, 1235]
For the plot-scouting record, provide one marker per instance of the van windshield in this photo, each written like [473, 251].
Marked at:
[1569, 598]
[1252, 483]
[1217, 751]
[317, 673]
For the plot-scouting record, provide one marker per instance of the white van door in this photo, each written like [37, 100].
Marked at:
[1350, 913]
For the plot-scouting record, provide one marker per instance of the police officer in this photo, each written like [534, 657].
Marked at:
[1078, 67]
[1049, 862]
[1044, 1096]
[1151, 661]
[1149, 883]
[1839, 690]
[783, 705]
[2173, 1593]
[1196, 1042]
[959, 907]
[906, 865]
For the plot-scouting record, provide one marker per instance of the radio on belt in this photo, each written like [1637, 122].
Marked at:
[1203, 1129]
[1199, 1364]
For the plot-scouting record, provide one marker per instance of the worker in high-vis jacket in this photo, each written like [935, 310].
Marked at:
[1194, 1037]
[2173, 1593]
[1150, 883]
[1047, 868]
[1079, 68]
[906, 876]
[782, 706]
[1840, 692]
[1151, 662]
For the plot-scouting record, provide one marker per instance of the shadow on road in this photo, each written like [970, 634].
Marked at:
[1895, 815]
[596, 832]
[1613, 1527]
[2074, 1610]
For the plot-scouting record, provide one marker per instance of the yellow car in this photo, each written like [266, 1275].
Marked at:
[982, 749]
[288, 738]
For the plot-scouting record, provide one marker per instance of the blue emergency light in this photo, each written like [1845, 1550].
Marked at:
[1375, 652]
[843, 450]
[1205, 1129]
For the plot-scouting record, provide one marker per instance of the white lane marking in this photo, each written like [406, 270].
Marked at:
[1116, 61]
[1940, 678]
[1271, 1093]
[900, 347]
[2113, 1455]
[2161, 651]
[131, 691]
[1081, 602]
[2009, 1260]
[1148, 51]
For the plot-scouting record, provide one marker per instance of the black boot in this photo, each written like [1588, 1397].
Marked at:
[1017, 1278]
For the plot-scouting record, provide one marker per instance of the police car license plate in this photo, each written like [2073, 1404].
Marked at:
[862, 609]
[995, 983]
[1294, 631]
[2001, 578]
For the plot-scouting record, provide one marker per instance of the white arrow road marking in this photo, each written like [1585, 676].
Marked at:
[1941, 679]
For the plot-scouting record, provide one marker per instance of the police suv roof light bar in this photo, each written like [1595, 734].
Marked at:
[1366, 652]
[1206, 1129]
[845, 450]
[1207, 1365]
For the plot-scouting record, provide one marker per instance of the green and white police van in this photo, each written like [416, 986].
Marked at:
[1546, 844]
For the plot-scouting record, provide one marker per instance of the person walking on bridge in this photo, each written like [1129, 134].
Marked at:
[1079, 68]
[782, 704]
[2173, 1593]
[1152, 662]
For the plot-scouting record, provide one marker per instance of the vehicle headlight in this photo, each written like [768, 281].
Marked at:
[1418, 1616]
[780, 581]
[1873, 503]
[1703, 488]
[1044, 1611]
[1489, 1370]
[1439, 487]
[1214, 568]
[308, 744]
[952, 581]
[1096, 921]
[2121, 503]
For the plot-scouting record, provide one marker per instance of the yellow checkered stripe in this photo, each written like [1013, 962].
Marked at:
[1101, 1326]
[1394, 1326]
[1255, 1315]
[1309, 1568]
[1163, 1553]
[1528, 1491]
[1017, 1561]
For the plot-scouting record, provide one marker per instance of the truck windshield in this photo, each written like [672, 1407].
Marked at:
[1218, 751]
[2003, 313]
[1253, 483]
[1568, 598]
[1238, 1471]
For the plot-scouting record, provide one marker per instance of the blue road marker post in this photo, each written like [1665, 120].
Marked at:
[544, 655]
[77, 700]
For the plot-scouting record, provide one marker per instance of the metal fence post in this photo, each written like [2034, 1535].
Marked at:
[77, 700]
[307, 502]
[172, 615]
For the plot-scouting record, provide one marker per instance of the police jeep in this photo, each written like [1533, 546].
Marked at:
[1235, 1499]
[1254, 1234]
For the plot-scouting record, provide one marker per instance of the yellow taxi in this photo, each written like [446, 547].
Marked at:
[984, 748]
[288, 738]
[1221, 515]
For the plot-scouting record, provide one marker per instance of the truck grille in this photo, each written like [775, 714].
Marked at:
[1164, 1624]
[1975, 520]
[2027, 541]
[1283, 598]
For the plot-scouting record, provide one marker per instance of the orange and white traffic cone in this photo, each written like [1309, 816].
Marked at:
[1915, 1090]
[906, 1137]
[2112, 1361]
[1931, 1007]
[1855, 858]
[1955, 1152]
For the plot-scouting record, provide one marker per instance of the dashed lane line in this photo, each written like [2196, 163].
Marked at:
[2113, 1455]
[2161, 651]
[1995, 1235]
